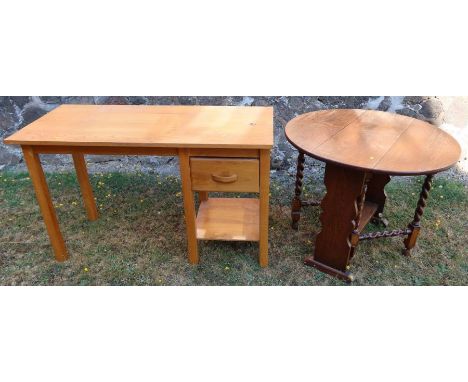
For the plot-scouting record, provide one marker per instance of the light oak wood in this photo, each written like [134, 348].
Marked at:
[159, 151]
[85, 186]
[106, 150]
[213, 152]
[227, 175]
[151, 126]
[240, 135]
[374, 141]
[234, 219]
[264, 203]
[189, 206]
[203, 196]
[45, 203]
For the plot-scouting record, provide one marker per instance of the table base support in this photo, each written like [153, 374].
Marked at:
[342, 208]
[345, 276]
[378, 235]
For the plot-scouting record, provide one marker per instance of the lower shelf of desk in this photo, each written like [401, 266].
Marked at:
[235, 219]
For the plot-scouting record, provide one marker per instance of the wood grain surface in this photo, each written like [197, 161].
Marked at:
[374, 141]
[235, 219]
[151, 126]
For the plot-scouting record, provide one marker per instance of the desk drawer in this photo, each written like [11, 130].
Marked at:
[224, 174]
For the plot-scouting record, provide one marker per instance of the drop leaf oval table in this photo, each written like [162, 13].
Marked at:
[220, 149]
[362, 149]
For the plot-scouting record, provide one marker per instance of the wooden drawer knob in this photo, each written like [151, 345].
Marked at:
[224, 178]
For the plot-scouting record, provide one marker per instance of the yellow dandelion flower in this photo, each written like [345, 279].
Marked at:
[86, 269]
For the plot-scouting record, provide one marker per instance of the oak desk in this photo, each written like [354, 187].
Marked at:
[361, 149]
[222, 149]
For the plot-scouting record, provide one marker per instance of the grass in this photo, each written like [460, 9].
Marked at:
[139, 238]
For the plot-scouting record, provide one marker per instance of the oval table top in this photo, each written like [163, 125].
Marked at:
[374, 141]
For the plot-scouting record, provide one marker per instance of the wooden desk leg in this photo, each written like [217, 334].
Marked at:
[203, 196]
[415, 225]
[189, 206]
[264, 202]
[376, 193]
[340, 213]
[296, 202]
[85, 186]
[45, 203]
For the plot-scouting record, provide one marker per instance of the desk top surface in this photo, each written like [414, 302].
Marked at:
[151, 126]
[374, 141]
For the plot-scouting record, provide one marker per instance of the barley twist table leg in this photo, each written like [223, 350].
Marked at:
[296, 202]
[415, 225]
